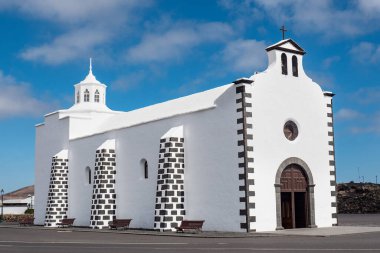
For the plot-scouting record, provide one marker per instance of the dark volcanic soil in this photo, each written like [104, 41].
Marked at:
[358, 198]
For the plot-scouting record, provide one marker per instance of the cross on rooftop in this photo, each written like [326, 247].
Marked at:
[283, 30]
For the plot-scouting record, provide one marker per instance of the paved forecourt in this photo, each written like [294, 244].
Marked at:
[357, 233]
[34, 239]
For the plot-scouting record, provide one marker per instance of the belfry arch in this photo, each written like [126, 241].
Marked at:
[298, 197]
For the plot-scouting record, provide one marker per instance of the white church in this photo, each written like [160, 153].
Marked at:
[256, 154]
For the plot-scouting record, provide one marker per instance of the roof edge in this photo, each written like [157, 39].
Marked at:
[282, 42]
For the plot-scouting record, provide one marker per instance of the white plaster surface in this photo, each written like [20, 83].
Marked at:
[208, 124]
[216, 192]
[277, 99]
[14, 209]
[17, 206]
[174, 132]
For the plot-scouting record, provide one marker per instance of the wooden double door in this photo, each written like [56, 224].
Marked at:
[294, 197]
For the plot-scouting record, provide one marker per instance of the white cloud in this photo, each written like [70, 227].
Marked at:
[330, 61]
[177, 41]
[358, 122]
[16, 99]
[367, 95]
[347, 114]
[155, 47]
[315, 17]
[328, 18]
[128, 82]
[369, 7]
[366, 52]
[372, 126]
[73, 11]
[323, 78]
[67, 47]
[245, 55]
[85, 25]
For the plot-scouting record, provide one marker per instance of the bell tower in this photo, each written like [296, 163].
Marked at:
[90, 94]
[285, 58]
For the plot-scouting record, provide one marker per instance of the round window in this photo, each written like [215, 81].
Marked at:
[290, 130]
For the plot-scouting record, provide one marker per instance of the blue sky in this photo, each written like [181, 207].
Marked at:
[150, 51]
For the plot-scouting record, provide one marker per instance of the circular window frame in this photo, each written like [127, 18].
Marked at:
[290, 127]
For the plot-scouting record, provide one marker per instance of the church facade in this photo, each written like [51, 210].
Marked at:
[253, 155]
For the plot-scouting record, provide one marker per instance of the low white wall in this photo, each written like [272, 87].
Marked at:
[14, 209]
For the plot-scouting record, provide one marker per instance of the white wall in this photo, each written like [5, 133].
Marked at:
[14, 209]
[51, 137]
[277, 99]
[211, 178]
[211, 160]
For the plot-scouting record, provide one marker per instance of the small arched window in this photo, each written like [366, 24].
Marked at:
[96, 97]
[88, 175]
[284, 64]
[78, 97]
[295, 65]
[144, 167]
[86, 96]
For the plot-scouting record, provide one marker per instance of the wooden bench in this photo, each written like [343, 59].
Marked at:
[190, 225]
[119, 223]
[26, 221]
[66, 223]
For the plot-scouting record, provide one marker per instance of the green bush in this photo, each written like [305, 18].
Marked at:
[29, 211]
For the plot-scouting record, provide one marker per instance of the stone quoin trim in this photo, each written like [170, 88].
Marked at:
[310, 190]
[245, 153]
[170, 192]
[331, 152]
[103, 206]
[57, 203]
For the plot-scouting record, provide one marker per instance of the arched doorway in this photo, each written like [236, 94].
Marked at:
[294, 197]
[294, 187]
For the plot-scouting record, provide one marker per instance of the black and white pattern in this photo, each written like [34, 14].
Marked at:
[331, 150]
[170, 195]
[103, 208]
[245, 154]
[57, 204]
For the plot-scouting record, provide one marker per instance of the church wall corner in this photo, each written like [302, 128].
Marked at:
[245, 153]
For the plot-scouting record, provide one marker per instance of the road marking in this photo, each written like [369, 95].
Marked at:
[101, 243]
[274, 249]
[118, 245]
[262, 249]
[318, 249]
[281, 249]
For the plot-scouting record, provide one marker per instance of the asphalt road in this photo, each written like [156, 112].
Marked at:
[35, 239]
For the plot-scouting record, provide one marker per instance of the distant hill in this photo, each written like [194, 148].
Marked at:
[20, 193]
[358, 198]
